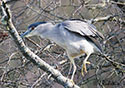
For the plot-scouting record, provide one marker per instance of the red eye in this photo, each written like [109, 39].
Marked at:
[33, 28]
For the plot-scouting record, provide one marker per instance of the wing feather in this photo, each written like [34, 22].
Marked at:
[83, 28]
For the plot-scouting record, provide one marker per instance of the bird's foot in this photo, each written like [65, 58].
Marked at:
[71, 80]
[84, 67]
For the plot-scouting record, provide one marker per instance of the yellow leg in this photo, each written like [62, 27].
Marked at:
[84, 68]
[84, 65]
[74, 69]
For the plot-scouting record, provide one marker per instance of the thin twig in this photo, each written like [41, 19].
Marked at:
[35, 83]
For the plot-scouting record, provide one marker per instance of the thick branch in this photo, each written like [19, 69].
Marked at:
[29, 54]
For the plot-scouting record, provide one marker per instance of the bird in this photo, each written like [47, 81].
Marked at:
[76, 37]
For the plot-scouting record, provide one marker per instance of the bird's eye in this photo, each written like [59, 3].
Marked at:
[33, 28]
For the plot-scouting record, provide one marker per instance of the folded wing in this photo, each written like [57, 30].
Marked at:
[81, 27]
[88, 31]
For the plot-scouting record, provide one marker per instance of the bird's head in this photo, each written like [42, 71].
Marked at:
[32, 29]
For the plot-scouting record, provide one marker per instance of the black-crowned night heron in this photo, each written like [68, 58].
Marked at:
[75, 36]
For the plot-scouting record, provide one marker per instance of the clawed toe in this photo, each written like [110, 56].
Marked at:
[84, 67]
[87, 62]
[72, 81]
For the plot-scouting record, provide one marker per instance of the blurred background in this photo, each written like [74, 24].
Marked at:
[18, 72]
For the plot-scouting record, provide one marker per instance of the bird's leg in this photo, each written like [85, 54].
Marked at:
[84, 65]
[74, 68]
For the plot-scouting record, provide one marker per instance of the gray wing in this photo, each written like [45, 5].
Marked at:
[83, 28]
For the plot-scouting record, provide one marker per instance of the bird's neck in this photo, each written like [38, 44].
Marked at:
[52, 33]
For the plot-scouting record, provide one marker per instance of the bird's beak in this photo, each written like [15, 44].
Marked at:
[25, 33]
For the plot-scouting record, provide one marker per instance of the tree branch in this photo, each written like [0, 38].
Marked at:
[7, 21]
[99, 19]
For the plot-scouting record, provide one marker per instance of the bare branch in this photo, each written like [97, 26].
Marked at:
[98, 19]
[6, 20]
